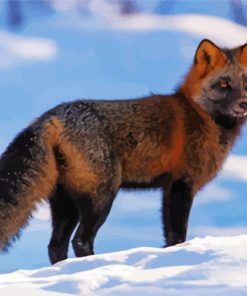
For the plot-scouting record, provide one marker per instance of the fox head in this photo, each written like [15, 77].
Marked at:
[217, 80]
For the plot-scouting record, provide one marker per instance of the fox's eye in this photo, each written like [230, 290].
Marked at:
[224, 84]
[245, 85]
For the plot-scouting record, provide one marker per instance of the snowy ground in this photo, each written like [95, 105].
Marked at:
[205, 266]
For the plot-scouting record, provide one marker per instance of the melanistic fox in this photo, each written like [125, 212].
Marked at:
[79, 154]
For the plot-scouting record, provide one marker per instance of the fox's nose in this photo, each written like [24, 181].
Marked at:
[243, 105]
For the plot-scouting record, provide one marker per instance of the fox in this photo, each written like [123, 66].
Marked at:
[79, 154]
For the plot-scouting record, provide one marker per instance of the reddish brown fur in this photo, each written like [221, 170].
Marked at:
[173, 159]
[90, 149]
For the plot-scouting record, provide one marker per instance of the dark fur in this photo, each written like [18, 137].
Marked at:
[79, 154]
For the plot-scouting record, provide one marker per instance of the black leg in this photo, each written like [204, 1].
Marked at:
[176, 209]
[93, 213]
[64, 220]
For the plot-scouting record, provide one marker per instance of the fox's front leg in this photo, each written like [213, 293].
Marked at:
[177, 202]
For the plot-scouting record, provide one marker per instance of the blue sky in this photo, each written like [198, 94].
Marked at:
[62, 59]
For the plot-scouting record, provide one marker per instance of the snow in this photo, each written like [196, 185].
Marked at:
[15, 49]
[212, 27]
[202, 266]
[213, 193]
[215, 28]
[235, 168]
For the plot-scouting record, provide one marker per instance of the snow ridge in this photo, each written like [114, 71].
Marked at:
[215, 265]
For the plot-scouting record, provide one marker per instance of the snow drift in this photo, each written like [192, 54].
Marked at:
[202, 266]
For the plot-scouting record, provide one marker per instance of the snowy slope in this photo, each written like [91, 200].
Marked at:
[212, 27]
[202, 266]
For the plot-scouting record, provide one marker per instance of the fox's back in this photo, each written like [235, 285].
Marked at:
[148, 137]
[137, 132]
[124, 123]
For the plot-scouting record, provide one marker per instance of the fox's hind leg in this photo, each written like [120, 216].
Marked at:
[176, 209]
[91, 171]
[94, 210]
[65, 217]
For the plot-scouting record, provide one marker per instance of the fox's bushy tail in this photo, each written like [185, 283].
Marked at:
[28, 174]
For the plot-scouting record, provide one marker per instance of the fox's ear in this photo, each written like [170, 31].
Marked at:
[243, 55]
[208, 56]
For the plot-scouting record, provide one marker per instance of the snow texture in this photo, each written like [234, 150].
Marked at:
[202, 266]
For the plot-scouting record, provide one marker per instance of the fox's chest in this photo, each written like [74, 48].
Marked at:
[204, 159]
